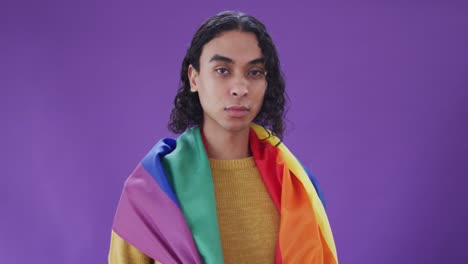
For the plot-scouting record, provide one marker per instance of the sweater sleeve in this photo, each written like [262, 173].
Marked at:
[121, 252]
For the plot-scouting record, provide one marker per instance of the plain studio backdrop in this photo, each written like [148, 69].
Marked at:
[378, 93]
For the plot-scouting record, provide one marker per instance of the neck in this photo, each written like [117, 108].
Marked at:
[226, 145]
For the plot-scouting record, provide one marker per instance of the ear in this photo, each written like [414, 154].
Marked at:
[193, 78]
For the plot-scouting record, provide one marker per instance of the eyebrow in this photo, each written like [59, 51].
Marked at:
[221, 58]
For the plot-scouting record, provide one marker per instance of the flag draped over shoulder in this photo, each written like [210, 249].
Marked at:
[168, 211]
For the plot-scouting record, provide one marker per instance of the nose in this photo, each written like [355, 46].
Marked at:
[240, 87]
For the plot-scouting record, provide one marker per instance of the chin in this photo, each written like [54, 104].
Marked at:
[229, 124]
[236, 125]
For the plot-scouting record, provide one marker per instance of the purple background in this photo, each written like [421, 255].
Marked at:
[379, 112]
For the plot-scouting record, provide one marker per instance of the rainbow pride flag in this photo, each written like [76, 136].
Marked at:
[167, 209]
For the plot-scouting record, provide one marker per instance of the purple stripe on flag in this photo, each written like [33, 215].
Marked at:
[150, 221]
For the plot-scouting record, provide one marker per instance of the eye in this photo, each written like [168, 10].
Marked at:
[257, 73]
[222, 71]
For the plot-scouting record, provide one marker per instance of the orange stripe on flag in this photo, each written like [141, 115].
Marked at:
[299, 236]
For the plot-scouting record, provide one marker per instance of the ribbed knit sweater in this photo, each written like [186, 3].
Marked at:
[248, 220]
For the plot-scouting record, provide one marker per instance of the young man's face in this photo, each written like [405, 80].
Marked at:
[231, 82]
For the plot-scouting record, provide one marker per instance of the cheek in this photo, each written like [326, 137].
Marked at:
[259, 94]
[214, 91]
[205, 99]
[209, 97]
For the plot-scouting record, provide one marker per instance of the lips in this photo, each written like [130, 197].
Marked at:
[237, 111]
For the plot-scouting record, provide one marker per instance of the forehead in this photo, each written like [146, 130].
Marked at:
[241, 47]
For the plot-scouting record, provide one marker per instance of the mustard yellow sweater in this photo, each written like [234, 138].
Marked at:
[248, 220]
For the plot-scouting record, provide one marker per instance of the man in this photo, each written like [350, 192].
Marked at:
[228, 190]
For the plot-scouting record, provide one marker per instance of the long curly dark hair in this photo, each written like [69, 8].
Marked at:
[188, 112]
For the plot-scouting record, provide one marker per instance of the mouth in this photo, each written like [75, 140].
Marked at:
[237, 111]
